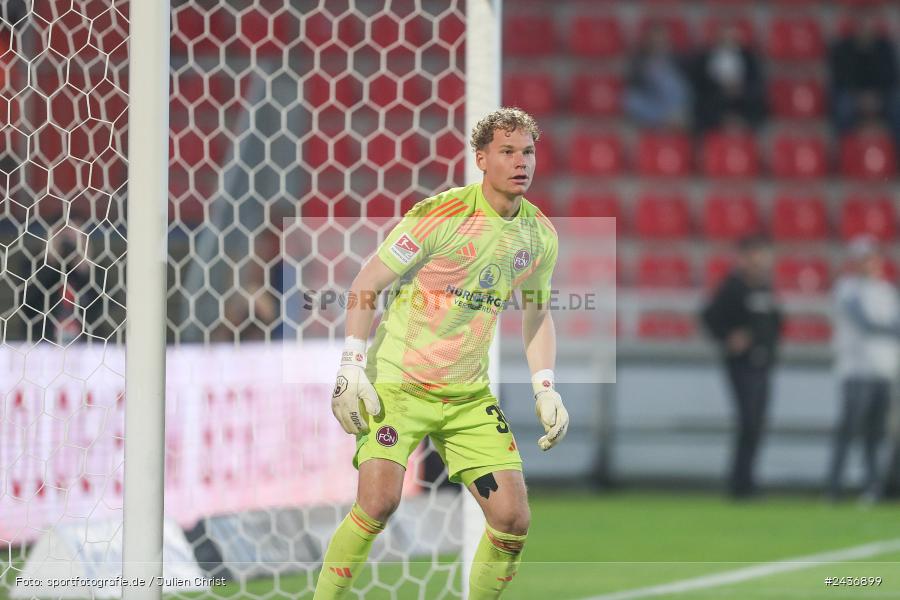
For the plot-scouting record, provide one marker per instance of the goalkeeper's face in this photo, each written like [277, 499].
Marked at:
[508, 162]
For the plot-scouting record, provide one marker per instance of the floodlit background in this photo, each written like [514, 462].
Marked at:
[300, 131]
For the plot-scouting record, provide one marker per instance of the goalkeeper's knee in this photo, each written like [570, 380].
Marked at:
[380, 508]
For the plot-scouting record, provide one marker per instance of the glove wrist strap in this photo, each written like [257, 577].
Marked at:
[542, 381]
[354, 352]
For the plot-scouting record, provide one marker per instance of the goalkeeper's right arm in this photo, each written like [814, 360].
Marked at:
[352, 390]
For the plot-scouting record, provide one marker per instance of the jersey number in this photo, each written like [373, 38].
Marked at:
[503, 427]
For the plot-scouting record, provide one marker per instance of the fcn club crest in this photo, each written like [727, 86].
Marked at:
[387, 436]
[521, 260]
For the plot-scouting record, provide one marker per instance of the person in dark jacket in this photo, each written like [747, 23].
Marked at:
[744, 318]
[864, 76]
[658, 92]
[728, 84]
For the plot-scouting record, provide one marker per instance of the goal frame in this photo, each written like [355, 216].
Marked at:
[146, 272]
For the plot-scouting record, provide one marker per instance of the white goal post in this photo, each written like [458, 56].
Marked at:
[146, 261]
[483, 95]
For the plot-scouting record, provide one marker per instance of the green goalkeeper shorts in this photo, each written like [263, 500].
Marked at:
[470, 433]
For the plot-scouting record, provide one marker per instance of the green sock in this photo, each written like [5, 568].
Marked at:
[496, 561]
[347, 553]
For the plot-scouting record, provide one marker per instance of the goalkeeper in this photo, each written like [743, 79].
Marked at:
[452, 263]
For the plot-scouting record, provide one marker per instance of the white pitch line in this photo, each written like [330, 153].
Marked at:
[762, 570]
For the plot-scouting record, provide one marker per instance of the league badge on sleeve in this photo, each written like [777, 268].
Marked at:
[405, 248]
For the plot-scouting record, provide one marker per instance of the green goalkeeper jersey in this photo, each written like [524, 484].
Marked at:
[459, 263]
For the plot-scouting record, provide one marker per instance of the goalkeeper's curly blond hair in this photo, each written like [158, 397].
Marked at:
[508, 118]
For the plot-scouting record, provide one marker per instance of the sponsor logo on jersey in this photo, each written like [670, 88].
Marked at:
[521, 260]
[405, 248]
[475, 300]
[387, 436]
[489, 276]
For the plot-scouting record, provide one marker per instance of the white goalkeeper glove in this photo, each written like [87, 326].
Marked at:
[353, 388]
[549, 409]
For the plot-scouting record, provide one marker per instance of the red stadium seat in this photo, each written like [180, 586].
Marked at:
[718, 266]
[596, 154]
[585, 206]
[799, 217]
[730, 215]
[676, 26]
[804, 275]
[666, 325]
[798, 156]
[533, 92]
[806, 329]
[714, 23]
[385, 32]
[582, 325]
[730, 154]
[198, 30]
[664, 154]
[667, 270]
[384, 90]
[797, 98]
[593, 271]
[528, 35]
[795, 39]
[662, 216]
[548, 159]
[863, 3]
[596, 36]
[350, 30]
[891, 272]
[599, 95]
[868, 155]
[348, 151]
[865, 214]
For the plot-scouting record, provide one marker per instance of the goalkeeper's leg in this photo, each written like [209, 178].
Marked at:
[504, 500]
[378, 494]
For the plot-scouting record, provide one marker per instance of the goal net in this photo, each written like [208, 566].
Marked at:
[300, 130]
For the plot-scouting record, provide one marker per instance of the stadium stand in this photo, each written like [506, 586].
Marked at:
[793, 179]
[799, 217]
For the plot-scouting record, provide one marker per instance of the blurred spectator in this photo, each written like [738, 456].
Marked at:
[60, 301]
[658, 92]
[728, 83]
[864, 77]
[867, 355]
[249, 316]
[744, 318]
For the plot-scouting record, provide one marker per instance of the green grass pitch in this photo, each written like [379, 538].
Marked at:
[583, 545]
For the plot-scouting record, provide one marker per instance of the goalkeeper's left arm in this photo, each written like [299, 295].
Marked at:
[540, 349]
